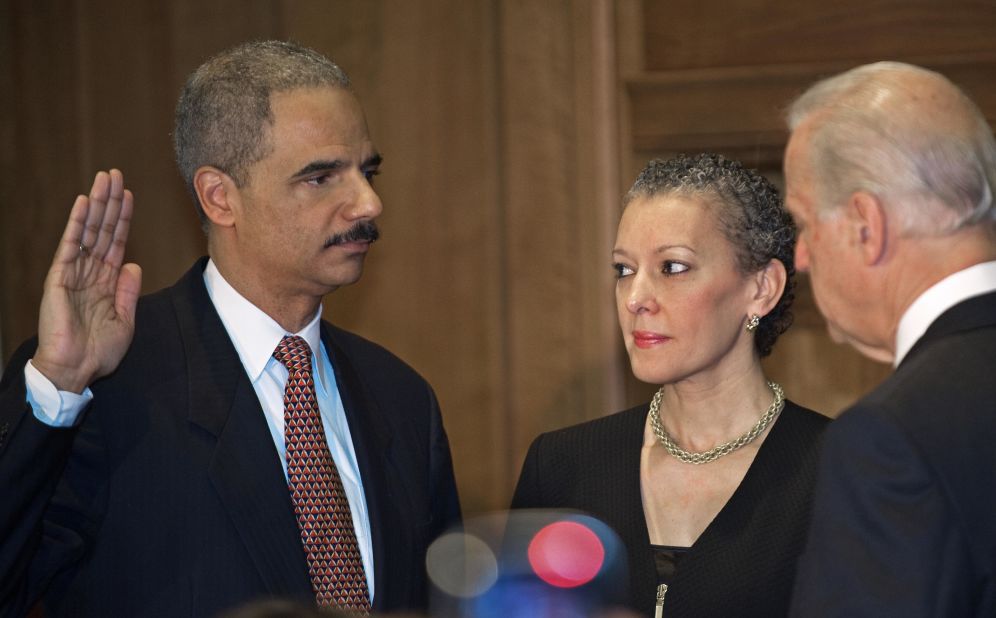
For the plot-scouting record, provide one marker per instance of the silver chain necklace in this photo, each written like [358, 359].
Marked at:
[723, 449]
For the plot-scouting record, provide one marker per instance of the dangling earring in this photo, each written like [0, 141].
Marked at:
[753, 322]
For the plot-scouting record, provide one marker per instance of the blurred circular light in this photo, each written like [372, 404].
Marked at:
[566, 554]
[461, 565]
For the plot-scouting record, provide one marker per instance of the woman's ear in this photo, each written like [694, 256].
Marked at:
[769, 284]
[218, 195]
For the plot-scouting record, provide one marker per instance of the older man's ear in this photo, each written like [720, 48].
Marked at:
[870, 221]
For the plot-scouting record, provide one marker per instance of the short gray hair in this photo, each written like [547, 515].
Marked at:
[750, 215]
[876, 128]
[224, 111]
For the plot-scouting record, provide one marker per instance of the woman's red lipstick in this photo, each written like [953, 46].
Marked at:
[645, 339]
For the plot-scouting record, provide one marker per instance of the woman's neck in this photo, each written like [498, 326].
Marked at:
[702, 412]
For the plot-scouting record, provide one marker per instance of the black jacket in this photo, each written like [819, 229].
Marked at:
[905, 515]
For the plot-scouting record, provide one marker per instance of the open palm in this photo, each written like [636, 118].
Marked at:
[87, 316]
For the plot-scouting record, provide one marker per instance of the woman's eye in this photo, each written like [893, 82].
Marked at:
[673, 268]
[622, 270]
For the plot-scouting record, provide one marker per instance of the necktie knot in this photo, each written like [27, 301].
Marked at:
[295, 353]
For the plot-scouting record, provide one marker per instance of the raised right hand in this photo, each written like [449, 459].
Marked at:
[87, 316]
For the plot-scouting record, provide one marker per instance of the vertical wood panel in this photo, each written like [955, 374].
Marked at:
[128, 97]
[559, 300]
[94, 86]
[600, 187]
[8, 160]
[44, 142]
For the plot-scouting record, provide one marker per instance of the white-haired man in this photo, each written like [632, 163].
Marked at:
[890, 174]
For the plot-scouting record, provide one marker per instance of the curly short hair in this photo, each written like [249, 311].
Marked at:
[224, 111]
[750, 215]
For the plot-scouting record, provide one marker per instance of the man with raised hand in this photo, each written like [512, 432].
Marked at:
[217, 441]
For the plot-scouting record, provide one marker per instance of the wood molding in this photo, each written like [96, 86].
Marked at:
[738, 110]
[682, 34]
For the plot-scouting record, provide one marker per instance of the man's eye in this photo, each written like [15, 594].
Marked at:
[622, 270]
[671, 267]
[319, 180]
[369, 175]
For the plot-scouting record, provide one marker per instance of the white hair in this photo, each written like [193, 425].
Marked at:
[908, 136]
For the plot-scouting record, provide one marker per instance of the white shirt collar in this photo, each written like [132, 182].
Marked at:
[946, 293]
[254, 333]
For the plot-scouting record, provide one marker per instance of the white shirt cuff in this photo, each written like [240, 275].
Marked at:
[51, 406]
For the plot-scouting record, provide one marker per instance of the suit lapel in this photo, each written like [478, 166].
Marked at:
[245, 469]
[372, 441]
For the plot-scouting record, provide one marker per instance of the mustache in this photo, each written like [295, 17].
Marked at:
[364, 231]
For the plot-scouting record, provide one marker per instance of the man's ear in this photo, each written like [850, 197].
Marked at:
[770, 282]
[218, 194]
[871, 225]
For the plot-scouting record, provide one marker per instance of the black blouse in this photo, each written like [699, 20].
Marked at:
[742, 565]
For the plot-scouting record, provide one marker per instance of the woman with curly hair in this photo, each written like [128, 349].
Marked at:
[709, 485]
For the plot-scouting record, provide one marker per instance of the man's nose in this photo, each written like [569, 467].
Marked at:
[366, 203]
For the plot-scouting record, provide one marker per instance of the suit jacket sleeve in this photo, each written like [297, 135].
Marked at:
[445, 500]
[32, 458]
[866, 554]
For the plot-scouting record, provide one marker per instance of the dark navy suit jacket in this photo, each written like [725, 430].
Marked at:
[169, 498]
[904, 521]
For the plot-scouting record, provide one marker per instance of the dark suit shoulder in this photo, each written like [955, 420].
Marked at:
[804, 426]
[158, 326]
[948, 370]
[597, 432]
[568, 467]
[155, 354]
[943, 395]
[155, 312]
[369, 357]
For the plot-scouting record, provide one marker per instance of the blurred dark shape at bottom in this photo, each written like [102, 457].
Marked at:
[279, 608]
[285, 608]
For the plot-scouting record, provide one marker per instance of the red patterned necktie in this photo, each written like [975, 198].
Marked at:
[320, 503]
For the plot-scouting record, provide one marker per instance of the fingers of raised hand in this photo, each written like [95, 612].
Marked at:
[71, 245]
[97, 204]
[119, 236]
[98, 224]
[106, 199]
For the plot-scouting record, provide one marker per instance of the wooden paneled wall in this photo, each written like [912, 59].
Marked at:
[717, 76]
[497, 121]
[509, 127]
